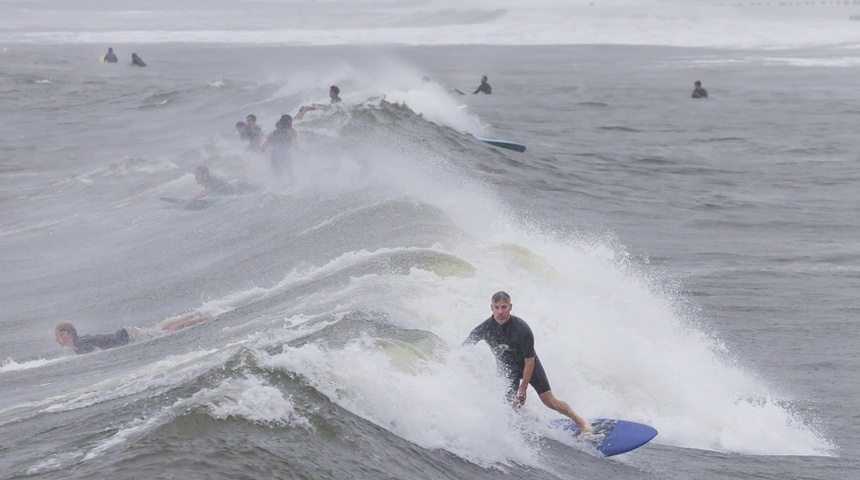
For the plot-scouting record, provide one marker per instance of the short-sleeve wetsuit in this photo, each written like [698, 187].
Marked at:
[88, 343]
[484, 87]
[511, 343]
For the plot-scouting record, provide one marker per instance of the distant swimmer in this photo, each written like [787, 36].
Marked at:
[135, 60]
[213, 186]
[253, 131]
[698, 91]
[484, 87]
[334, 95]
[281, 140]
[67, 335]
[110, 57]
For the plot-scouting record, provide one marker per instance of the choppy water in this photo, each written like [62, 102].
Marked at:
[688, 264]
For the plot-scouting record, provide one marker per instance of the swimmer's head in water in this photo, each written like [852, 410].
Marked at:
[201, 173]
[285, 121]
[66, 334]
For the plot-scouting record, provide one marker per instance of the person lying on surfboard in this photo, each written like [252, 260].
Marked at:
[67, 335]
[512, 343]
[334, 95]
[213, 186]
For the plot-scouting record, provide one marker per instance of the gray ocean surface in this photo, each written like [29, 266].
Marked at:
[690, 264]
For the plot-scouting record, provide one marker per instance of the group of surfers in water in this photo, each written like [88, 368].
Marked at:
[509, 337]
[110, 57]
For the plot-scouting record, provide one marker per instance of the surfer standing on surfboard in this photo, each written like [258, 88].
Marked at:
[512, 343]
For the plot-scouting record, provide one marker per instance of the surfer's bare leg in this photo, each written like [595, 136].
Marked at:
[563, 408]
[186, 321]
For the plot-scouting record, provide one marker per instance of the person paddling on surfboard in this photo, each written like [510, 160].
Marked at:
[484, 87]
[212, 186]
[333, 94]
[110, 57]
[67, 335]
[512, 343]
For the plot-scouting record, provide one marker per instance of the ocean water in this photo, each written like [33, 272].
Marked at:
[689, 264]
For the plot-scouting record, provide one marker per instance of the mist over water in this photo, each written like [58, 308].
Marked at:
[771, 25]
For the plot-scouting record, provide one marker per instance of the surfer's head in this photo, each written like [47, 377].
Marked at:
[285, 121]
[66, 334]
[697, 83]
[251, 119]
[500, 305]
[201, 173]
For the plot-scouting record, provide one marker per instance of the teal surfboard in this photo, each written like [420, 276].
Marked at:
[515, 146]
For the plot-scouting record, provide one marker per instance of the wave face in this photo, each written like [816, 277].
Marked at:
[737, 25]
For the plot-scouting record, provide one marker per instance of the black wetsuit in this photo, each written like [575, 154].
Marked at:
[88, 343]
[484, 87]
[135, 60]
[280, 144]
[511, 342]
[110, 57]
[253, 132]
[220, 187]
[700, 93]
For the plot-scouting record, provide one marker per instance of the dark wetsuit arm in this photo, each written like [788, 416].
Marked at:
[475, 336]
[528, 344]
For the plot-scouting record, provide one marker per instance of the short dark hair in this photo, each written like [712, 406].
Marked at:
[252, 117]
[66, 327]
[286, 121]
[202, 169]
[335, 89]
[697, 83]
[501, 296]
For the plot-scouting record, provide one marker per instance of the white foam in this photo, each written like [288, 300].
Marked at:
[614, 345]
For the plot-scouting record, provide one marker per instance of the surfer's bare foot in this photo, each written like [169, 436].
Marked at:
[584, 428]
